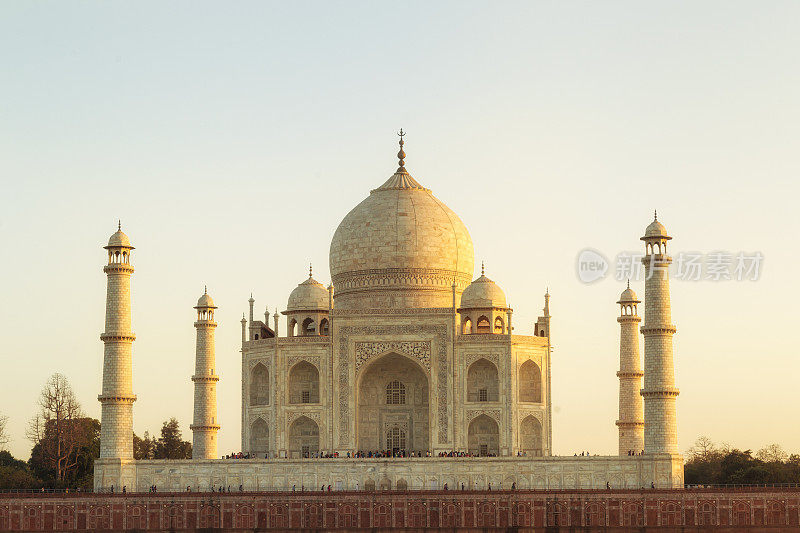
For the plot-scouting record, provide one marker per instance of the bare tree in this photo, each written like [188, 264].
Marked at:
[772, 453]
[55, 427]
[4, 438]
[702, 448]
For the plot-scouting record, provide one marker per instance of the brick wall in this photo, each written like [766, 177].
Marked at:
[693, 510]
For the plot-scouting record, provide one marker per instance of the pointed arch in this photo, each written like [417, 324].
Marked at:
[483, 436]
[530, 436]
[530, 382]
[259, 385]
[466, 326]
[303, 438]
[499, 325]
[484, 326]
[483, 383]
[259, 437]
[303, 383]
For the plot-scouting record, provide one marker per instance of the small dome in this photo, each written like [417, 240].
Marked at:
[311, 295]
[206, 301]
[483, 293]
[119, 240]
[628, 296]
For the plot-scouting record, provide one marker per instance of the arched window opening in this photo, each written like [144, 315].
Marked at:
[395, 393]
[259, 385]
[483, 437]
[259, 438]
[530, 382]
[303, 383]
[484, 326]
[303, 438]
[483, 383]
[466, 327]
[498, 325]
[541, 333]
[395, 440]
[324, 326]
[309, 327]
[292, 328]
[530, 436]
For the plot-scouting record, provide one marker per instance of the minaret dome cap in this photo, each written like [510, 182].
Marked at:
[119, 240]
[628, 297]
[205, 302]
[655, 230]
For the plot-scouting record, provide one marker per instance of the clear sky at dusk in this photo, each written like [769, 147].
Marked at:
[231, 138]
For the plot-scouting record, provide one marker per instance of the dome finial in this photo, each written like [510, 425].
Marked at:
[205, 289]
[401, 155]
[309, 271]
[629, 283]
[482, 269]
[119, 224]
[655, 214]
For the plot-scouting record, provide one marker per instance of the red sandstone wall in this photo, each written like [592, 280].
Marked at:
[728, 509]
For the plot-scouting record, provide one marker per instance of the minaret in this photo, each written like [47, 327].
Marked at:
[116, 426]
[205, 423]
[252, 302]
[631, 411]
[659, 392]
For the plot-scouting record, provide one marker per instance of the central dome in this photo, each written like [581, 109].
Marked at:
[400, 248]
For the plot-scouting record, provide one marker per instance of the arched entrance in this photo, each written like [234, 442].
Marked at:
[259, 437]
[530, 436]
[483, 437]
[303, 438]
[393, 406]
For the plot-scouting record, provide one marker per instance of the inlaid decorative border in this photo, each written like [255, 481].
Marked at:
[311, 359]
[420, 350]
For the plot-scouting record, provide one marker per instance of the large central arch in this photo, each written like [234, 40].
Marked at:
[392, 400]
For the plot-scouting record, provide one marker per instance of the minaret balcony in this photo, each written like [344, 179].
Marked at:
[118, 268]
[665, 329]
[119, 337]
[205, 378]
[662, 392]
[116, 398]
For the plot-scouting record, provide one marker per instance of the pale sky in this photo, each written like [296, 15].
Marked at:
[231, 139]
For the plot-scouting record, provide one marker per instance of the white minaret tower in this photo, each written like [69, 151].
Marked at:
[116, 419]
[631, 410]
[659, 392]
[205, 423]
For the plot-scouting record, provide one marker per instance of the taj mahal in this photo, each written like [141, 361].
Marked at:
[406, 372]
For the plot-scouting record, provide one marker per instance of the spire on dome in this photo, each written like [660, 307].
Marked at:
[401, 179]
[119, 224]
[629, 283]
[310, 271]
[401, 155]
[482, 269]
[205, 289]
[655, 214]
